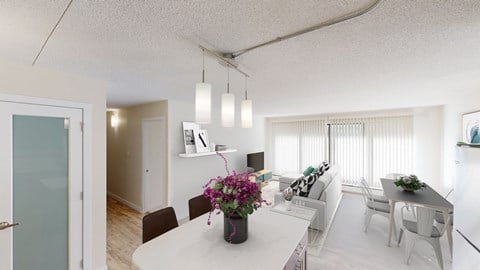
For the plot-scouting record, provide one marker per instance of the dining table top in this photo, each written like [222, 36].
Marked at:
[272, 238]
[426, 196]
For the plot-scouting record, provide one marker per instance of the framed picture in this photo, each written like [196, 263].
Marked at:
[189, 129]
[471, 128]
[201, 141]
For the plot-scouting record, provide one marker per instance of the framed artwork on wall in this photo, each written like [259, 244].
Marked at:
[189, 129]
[201, 141]
[471, 127]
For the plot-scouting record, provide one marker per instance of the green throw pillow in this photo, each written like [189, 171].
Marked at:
[315, 170]
[308, 171]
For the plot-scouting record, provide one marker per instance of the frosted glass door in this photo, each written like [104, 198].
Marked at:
[40, 193]
[45, 183]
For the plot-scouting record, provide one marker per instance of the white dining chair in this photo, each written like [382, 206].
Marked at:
[422, 229]
[375, 208]
[377, 198]
[439, 218]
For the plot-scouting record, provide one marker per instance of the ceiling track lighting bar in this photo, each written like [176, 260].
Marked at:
[330, 22]
[51, 33]
[227, 62]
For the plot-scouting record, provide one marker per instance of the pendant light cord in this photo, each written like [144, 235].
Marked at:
[228, 79]
[203, 65]
[246, 91]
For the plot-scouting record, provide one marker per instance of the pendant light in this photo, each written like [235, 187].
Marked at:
[247, 107]
[228, 104]
[203, 98]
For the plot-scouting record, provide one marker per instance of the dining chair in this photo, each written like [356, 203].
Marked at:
[422, 229]
[439, 214]
[377, 198]
[439, 218]
[198, 206]
[158, 223]
[375, 208]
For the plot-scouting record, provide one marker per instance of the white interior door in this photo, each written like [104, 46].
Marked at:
[154, 157]
[41, 185]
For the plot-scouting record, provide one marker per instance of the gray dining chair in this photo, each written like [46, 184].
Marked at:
[422, 229]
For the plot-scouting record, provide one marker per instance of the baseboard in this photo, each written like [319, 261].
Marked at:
[127, 203]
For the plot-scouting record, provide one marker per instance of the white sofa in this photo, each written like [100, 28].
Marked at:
[326, 204]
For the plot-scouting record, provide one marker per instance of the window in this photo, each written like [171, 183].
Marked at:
[366, 148]
[297, 145]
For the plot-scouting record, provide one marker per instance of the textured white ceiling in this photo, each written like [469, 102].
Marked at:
[401, 54]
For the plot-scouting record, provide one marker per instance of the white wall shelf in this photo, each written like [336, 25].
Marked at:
[183, 155]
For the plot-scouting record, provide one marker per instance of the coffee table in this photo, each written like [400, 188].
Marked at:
[302, 212]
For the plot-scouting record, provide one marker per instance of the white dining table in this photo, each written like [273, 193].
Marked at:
[272, 239]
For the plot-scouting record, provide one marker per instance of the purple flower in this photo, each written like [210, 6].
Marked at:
[234, 193]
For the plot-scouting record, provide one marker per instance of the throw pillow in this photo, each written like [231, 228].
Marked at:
[295, 185]
[326, 166]
[307, 183]
[308, 171]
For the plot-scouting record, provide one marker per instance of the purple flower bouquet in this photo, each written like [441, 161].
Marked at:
[234, 195]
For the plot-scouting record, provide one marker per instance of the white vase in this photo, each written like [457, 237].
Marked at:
[288, 205]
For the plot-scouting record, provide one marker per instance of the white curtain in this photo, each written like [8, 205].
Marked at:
[366, 148]
[297, 145]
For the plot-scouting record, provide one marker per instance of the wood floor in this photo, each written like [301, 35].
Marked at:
[124, 234]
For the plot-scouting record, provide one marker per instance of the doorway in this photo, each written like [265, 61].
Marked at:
[41, 174]
[154, 151]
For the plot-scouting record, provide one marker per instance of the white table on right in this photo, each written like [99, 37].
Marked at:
[302, 212]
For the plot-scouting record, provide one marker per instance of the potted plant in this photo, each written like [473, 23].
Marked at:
[237, 197]
[409, 183]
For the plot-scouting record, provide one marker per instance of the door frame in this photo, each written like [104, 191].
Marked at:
[144, 178]
[87, 210]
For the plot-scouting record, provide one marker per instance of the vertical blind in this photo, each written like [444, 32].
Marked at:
[297, 145]
[366, 148]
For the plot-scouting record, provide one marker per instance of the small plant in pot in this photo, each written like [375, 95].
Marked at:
[409, 183]
[236, 197]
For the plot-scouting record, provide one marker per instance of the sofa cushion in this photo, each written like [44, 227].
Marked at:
[333, 171]
[318, 187]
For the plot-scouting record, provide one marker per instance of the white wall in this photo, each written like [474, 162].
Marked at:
[188, 175]
[453, 131]
[428, 145]
[37, 82]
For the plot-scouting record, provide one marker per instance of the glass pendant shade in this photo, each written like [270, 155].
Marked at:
[247, 114]
[203, 102]
[228, 110]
